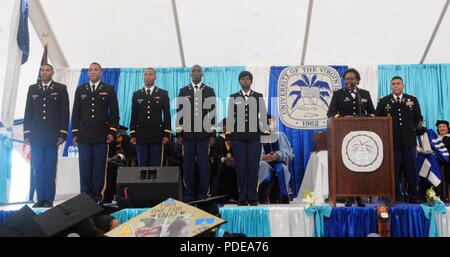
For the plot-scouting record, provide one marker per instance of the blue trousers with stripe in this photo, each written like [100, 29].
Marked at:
[195, 150]
[246, 160]
[43, 161]
[149, 154]
[92, 159]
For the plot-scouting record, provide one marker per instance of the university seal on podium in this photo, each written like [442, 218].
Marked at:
[362, 151]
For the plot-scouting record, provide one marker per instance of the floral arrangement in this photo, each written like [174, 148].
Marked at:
[432, 197]
[308, 198]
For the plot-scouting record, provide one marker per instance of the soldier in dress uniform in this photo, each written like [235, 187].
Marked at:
[351, 101]
[120, 154]
[405, 112]
[150, 121]
[95, 119]
[226, 181]
[246, 121]
[45, 128]
[196, 117]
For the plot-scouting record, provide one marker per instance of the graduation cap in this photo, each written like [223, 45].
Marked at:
[68, 214]
[439, 122]
[209, 205]
[21, 224]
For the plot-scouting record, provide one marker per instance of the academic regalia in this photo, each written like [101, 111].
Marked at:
[276, 171]
[430, 152]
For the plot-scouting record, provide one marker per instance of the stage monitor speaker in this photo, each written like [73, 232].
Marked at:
[139, 187]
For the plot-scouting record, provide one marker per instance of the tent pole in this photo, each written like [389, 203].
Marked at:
[177, 28]
[433, 35]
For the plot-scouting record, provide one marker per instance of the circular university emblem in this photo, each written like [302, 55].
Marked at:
[304, 95]
[362, 151]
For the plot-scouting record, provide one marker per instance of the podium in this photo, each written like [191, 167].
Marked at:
[360, 157]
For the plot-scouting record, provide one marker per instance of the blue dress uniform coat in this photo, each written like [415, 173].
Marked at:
[150, 116]
[95, 115]
[46, 118]
[46, 114]
[343, 103]
[405, 117]
[197, 111]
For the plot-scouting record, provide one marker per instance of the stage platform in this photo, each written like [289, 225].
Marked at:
[290, 220]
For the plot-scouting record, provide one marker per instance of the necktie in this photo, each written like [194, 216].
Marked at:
[148, 91]
[196, 88]
[398, 99]
[93, 88]
[45, 87]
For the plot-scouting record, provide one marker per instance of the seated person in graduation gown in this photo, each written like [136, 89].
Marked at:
[430, 152]
[442, 128]
[274, 173]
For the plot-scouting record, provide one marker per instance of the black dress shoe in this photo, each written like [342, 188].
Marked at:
[242, 203]
[48, 205]
[360, 204]
[264, 202]
[254, 203]
[348, 204]
[38, 205]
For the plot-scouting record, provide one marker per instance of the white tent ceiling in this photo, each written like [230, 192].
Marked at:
[139, 33]
[136, 33]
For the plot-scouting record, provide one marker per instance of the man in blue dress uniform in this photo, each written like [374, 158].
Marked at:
[45, 128]
[150, 121]
[405, 112]
[196, 117]
[95, 119]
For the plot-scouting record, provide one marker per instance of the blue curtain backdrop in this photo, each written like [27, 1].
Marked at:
[224, 81]
[430, 83]
[110, 76]
[301, 140]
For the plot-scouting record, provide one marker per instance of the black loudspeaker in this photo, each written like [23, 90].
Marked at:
[139, 187]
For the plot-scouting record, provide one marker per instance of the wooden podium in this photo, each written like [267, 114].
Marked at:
[360, 157]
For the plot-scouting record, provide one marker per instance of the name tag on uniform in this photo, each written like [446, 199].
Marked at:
[347, 99]
[409, 103]
[238, 103]
[388, 107]
[83, 97]
[54, 93]
[34, 96]
[187, 96]
[364, 100]
[140, 100]
[103, 93]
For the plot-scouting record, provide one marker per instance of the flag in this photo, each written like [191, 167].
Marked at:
[44, 59]
[18, 51]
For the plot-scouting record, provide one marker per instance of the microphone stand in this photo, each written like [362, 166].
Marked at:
[358, 96]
